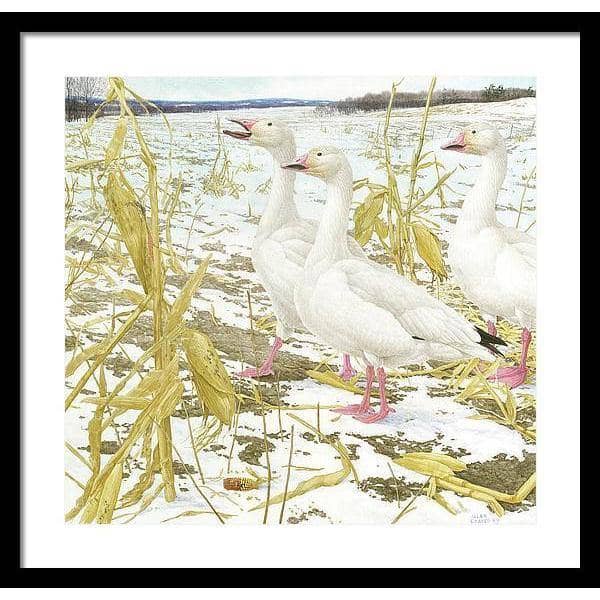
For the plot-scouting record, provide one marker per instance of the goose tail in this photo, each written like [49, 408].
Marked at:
[489, 341]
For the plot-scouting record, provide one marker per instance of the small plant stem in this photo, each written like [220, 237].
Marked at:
[412, 500]
[187, 418]
[287, 478]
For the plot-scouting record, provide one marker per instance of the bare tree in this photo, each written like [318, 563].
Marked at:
[80, 96]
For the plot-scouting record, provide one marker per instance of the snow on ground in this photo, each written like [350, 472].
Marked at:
[427, 417]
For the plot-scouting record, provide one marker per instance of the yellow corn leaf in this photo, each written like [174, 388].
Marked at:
[131, 296]
[124, 402]
[88, 354]
[109, 495]
[144, 482]
[424, 466]
[185, 296]
[193, 513]
[511, 407]
[115, 146]
[430, 250]
[333, 379]
[449, 461]
[381, 229]
[444, 503]
[313, 483]
[365, 215]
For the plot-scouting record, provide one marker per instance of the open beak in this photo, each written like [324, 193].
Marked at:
[300, 164]
[458, 144]
[247, 124]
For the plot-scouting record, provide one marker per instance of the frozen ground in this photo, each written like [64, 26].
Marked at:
[427, 417]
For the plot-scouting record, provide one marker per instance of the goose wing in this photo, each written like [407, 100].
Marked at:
[421, 315]
[340, 314]
[516, 269]
[523, 245]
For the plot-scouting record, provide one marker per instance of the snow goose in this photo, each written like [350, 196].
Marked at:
[365, 309]
[495, 265]
[283, 239]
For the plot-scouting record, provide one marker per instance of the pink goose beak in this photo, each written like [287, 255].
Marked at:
[457, 144]
[247, 124]
[297, 165]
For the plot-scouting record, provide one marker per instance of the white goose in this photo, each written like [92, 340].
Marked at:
[283, 239]
[494, 265]
[365, 309]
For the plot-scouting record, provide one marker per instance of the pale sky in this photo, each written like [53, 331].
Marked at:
[311, 88]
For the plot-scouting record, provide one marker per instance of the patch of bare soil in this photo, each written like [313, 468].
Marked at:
[389, 489]
[254, 448]
[395, 445]
[305, 515]
[238, 344]
[504, 475]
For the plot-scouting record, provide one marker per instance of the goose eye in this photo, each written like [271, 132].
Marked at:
[319, 154]
[269, 124]
[473, 131]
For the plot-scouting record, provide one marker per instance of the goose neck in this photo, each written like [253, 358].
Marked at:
[479, 207]
[331, 242]
[280, 208]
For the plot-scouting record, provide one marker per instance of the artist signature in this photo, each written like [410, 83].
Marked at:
[484, 519]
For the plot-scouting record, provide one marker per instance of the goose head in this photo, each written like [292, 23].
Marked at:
[324, 162]
[478, 139]
[267, 133]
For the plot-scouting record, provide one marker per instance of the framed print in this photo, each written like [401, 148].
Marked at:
[302, 297]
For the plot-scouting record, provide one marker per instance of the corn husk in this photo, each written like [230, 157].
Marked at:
[429, 248]
[128, 215]
[211, 380]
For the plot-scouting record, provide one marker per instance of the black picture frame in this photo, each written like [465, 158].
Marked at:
[17, 25]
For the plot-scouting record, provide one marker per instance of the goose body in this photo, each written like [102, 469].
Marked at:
[494, 265]
[365, 309]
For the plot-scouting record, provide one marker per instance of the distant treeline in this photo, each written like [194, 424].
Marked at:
[194, 106]
[81, 105]
[369, 102]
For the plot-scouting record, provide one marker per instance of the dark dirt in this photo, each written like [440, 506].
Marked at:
[106, 447]
[179, 469]
[237, 262]
[440, 391]
[236, 343]
[141, 333]
[303, 516]
[352, 454]
[118, 364]
[525, 417]
[76, 244]
[254, 449]
[394, 445]
[502, 474]
[89, 301]
[214, 247]
[386, 488]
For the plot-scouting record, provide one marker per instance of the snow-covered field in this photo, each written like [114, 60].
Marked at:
[427, 417]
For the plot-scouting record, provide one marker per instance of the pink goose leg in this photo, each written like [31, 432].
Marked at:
[267, 367]
[515, 376]
[491, 328]
[346, 372]
[384, 408]
[364, 406]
